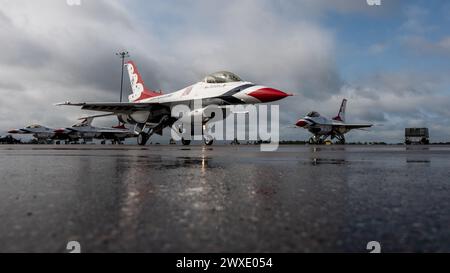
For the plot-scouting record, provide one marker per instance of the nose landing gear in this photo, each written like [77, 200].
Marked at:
[317, 140]
[208, 140]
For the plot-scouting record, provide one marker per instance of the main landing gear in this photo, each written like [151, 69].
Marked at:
[180, 130]
[207, 139]
[142, 138]
[317, 140]
[320, 140]
[185, 142]
[340, 139]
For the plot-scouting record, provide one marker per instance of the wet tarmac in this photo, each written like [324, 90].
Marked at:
[224, 198]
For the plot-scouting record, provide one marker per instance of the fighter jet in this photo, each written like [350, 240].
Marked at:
[80, 131]
[41, 133]
[84, 130]
[150, 111]
[9, 139]
[322, 127]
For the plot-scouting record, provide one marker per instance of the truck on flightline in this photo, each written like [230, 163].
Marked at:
[417, 136]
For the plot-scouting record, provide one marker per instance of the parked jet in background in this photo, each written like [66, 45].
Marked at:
[150, 111]
[81, 131]
[84, 130]
[9, 139]
[322, 127]
[41, 133]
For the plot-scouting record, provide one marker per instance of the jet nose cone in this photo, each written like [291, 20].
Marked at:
[268, 94]
[59, 131]
[301, 123]
[15, 131]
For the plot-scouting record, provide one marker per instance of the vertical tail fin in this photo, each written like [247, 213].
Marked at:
[341, 114]
[140, 91]
[87, 121]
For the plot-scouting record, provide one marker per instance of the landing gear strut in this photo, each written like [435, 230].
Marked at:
[207, 139]
[340, 139]
[144, 136]
[316, 140]
[180, 130]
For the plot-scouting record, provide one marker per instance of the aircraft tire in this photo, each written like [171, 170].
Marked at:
[142, 139]
[313, 141]
[185, 142]
[208, 141]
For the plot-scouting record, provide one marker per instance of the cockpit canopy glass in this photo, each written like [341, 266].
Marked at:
[313, 114]
[34, 126]
[222, 77]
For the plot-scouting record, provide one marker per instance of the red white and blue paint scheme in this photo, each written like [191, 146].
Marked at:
[41, 133]
[82, 131]
[86, 131]
[150, 111]
[322, 127]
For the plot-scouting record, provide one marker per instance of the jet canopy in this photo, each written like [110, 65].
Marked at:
[34, 126]
[313, 114]
[222, 77]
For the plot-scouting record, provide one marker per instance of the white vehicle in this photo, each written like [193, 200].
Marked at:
[84, 130]
[322, 127]
[150, 111]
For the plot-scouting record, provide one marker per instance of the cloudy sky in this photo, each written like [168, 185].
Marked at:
[392, 61]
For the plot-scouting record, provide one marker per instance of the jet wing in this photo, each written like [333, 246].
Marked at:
[111, 131]
[116, 107]
[354, 126]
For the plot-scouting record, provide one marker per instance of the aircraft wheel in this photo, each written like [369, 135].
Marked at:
[186, 142]
[208, 140]
[142, 139]
[314, 141]
[103, 142]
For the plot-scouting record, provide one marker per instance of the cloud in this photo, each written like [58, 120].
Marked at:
[424, 46]
[377, 48]
[57, 52]
[60, 52]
